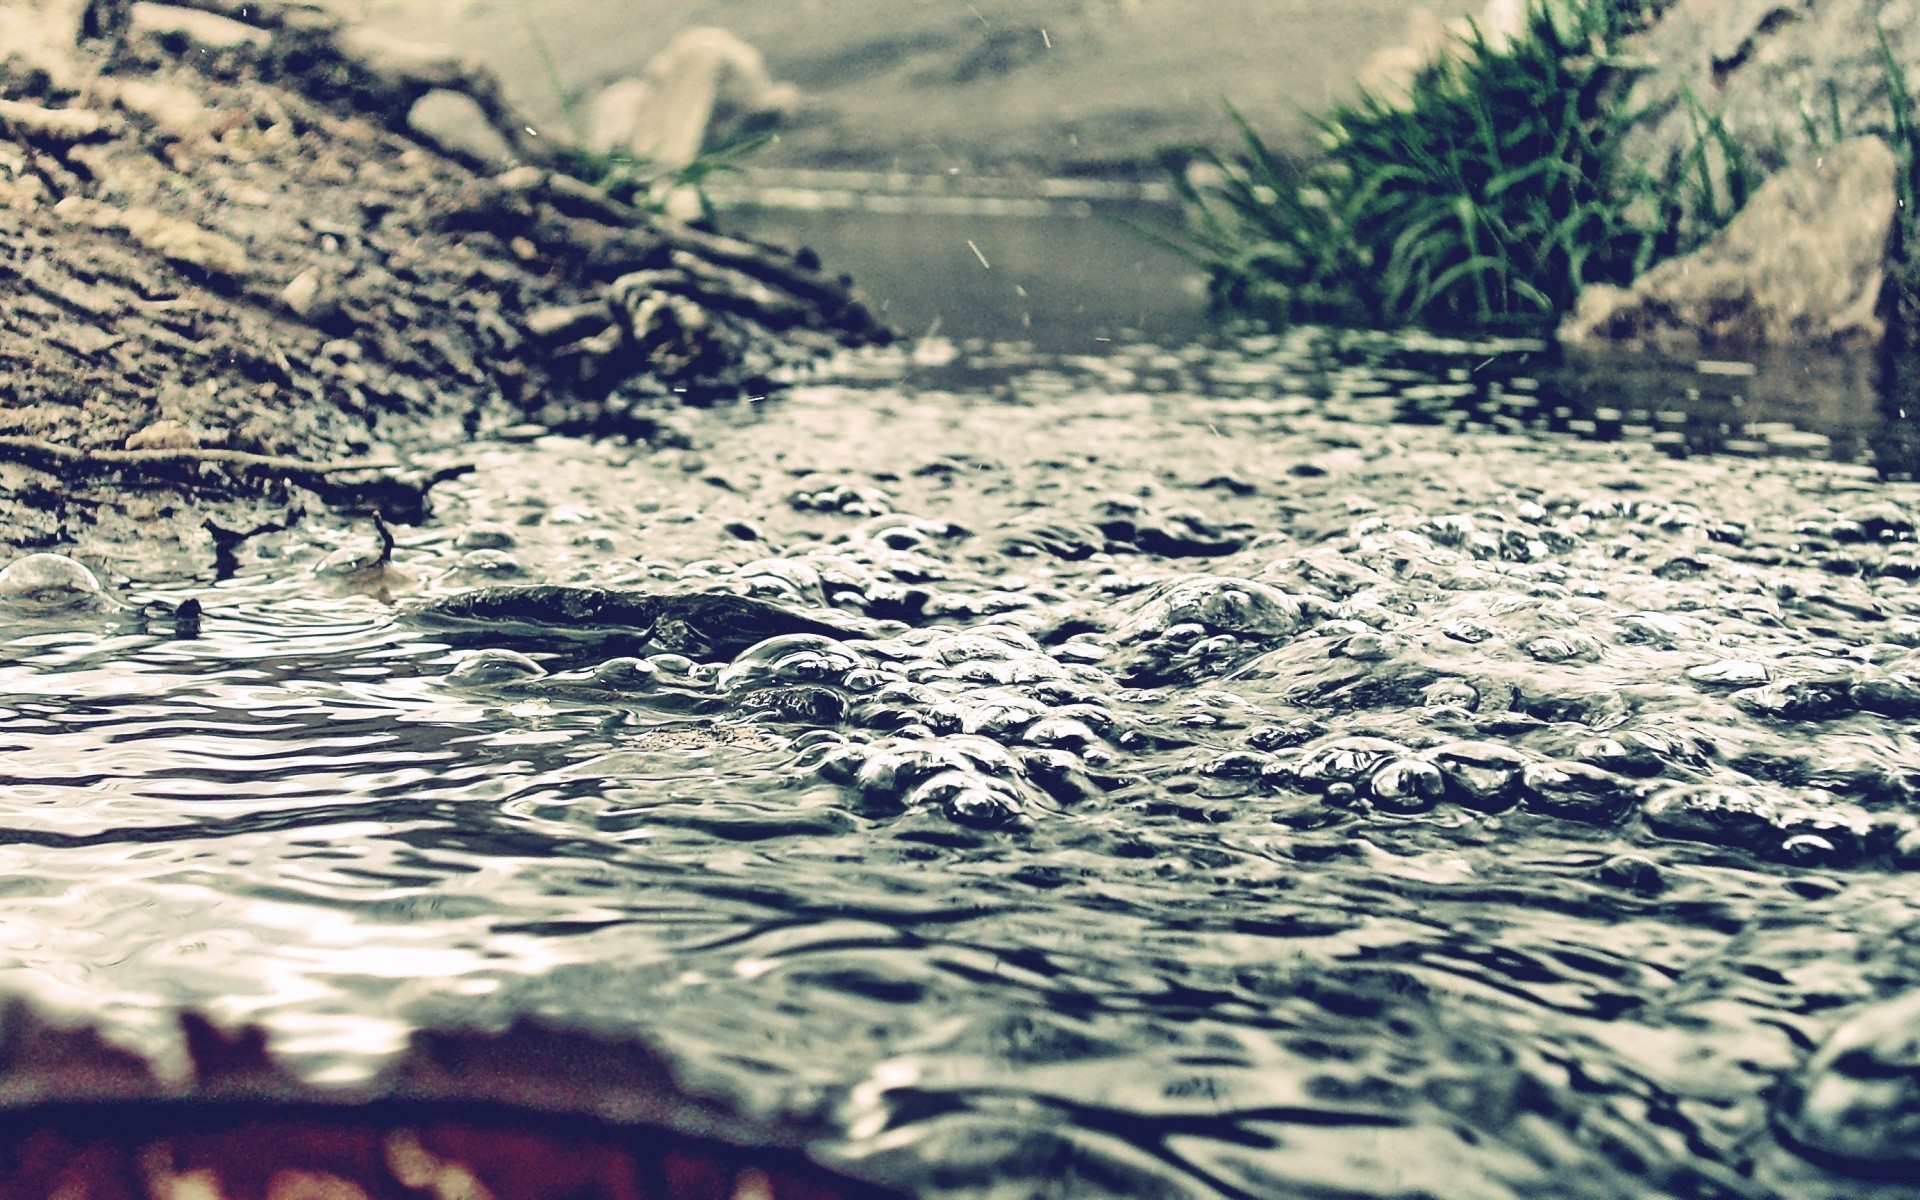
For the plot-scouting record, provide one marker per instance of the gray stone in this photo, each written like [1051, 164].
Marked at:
[665, 117]
[455, 124]
[1764, 68]
[1805, 263]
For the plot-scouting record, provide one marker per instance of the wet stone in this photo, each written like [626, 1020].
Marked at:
[1484, 776]
[1407, 785]
[1577, 791]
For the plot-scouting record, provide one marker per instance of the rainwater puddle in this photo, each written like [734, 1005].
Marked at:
[1152, 771]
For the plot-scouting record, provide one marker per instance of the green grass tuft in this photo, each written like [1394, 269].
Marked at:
[1486, 201]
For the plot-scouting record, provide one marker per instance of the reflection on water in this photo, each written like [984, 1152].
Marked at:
[1069, 280]
[1071, 274]
[1190, 781]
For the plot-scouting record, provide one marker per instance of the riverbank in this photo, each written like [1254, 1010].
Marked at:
[239, 293]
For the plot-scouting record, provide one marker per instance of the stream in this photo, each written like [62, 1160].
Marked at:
[1214, 763]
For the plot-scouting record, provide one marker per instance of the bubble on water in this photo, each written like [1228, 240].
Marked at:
[50, 581]
[1407, 785]
[1349, 760]
[1217, 604]
[491, 564]
[794, 659]
[493, 666]
[486, 535]
[626, 674]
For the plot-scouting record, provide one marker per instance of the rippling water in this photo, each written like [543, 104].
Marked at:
[1205, 785]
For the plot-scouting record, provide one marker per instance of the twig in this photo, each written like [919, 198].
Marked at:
[35, 452]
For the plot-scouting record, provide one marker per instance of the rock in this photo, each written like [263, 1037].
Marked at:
[1763, 66]
[454, 123]
[564, 323]
[1857, 1100]
[50, 581]
[401, 64]
[1389, 74]
[174, 111]
[309, 297]
[185, 243]
[664, 117]
[63, 126]
[163, 435]
[204, 30]
[1804, 263]
[37, 37]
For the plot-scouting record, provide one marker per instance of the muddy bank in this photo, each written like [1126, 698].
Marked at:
[236, 293]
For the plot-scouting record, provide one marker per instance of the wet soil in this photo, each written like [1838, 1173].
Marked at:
[229, 283]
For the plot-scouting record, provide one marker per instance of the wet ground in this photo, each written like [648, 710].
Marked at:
[1157, 772]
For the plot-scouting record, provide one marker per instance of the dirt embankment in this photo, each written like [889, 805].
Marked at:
[233, 290]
